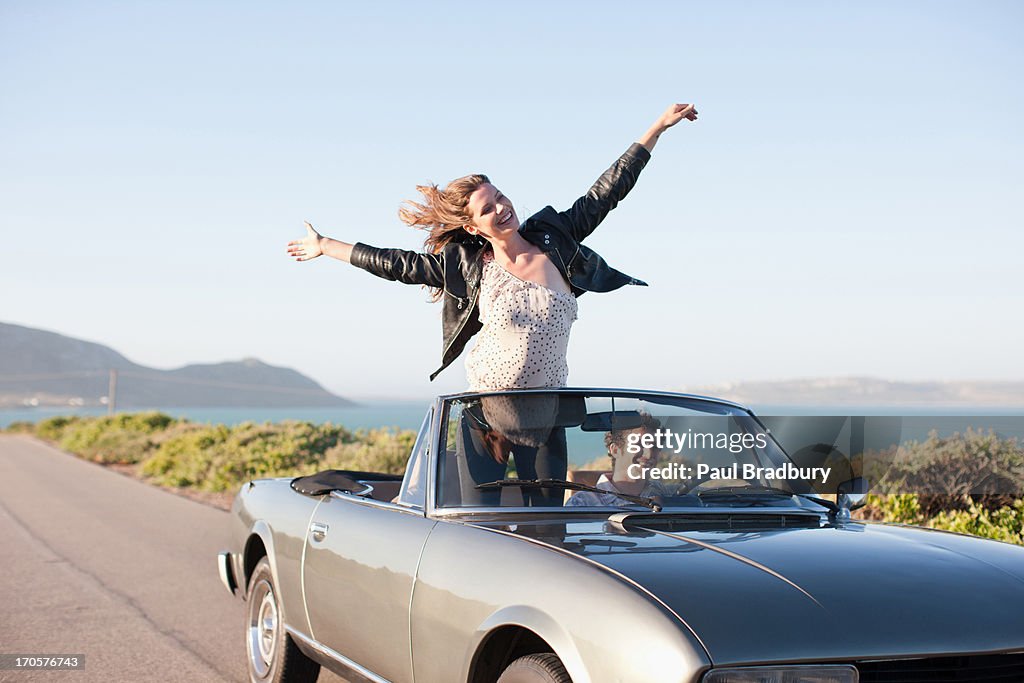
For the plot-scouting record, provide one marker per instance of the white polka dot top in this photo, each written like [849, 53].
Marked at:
[525, 333]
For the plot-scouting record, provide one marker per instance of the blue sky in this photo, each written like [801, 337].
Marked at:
[847, 204]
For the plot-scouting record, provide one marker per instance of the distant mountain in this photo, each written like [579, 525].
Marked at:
[51, 369]
[868, 391]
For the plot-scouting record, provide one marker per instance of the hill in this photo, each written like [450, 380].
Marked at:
[47, 368]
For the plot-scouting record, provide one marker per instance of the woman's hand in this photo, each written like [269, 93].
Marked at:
[673, 115]
[309, 247]
[676, 113]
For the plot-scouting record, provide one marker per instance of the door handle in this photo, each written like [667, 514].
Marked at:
[318, 530]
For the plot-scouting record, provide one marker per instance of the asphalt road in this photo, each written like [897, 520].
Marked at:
[99, 564]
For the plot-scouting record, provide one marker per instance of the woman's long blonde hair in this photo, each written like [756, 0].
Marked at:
[444, 214]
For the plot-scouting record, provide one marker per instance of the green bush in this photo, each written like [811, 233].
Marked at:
[183, 459]
[119, 447]
[966, 516]
[220, 458]
[1004, 524]
[969, 483]
[20, 427]
[900, 508]
[376, 450]
[950, 473]
[122, 438]
[53, 428]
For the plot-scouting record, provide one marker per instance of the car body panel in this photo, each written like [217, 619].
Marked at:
[917, 589]
[269, 509]
[572, 604]
[376, 549]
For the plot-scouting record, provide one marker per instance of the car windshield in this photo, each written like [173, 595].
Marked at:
[579, 450]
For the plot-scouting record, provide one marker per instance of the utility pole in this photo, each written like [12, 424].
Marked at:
[112, 391]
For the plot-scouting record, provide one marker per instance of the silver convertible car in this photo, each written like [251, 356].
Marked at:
[599, 536]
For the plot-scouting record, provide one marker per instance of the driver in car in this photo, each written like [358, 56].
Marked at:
[618, 480]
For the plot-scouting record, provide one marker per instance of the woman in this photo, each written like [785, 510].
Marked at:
[516, 284]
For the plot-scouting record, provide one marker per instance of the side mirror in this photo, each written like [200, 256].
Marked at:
[850, 495]
[855, 490]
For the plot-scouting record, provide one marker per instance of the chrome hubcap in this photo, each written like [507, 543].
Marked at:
[268, 627]
[263, 631]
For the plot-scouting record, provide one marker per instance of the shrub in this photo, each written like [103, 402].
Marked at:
[900, 508]
[182, 459]
[376, 450]
[1004, 524]
[952, 473]
[119, 447]
[121, 438]
[219, 458]
[53, 428]
[968, 517]
[20, 427]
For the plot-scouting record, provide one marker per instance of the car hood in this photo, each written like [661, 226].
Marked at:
[818, 593]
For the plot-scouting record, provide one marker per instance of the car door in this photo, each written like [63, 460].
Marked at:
[358, 571]
[358, 581]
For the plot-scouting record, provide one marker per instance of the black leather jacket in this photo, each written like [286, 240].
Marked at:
[458, 267]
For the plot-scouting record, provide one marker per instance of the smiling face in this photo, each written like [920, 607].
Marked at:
[492, 213]
[622, 458]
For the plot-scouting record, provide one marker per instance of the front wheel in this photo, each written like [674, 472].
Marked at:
[273, 656]
[545, 667]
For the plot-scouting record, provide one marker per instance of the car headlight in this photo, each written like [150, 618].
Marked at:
[783, 674]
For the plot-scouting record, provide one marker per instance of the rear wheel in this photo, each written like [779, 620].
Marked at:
[272, 655]
[545, 667]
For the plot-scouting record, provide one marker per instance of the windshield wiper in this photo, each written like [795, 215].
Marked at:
[758, 488]
[572, 486]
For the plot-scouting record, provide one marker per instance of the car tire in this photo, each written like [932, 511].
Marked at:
[545, 667]
[273, 656]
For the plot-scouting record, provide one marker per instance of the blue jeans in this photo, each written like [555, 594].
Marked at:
[477, 466]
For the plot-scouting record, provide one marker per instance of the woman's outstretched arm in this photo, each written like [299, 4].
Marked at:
[410, 267]
[588, 211]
